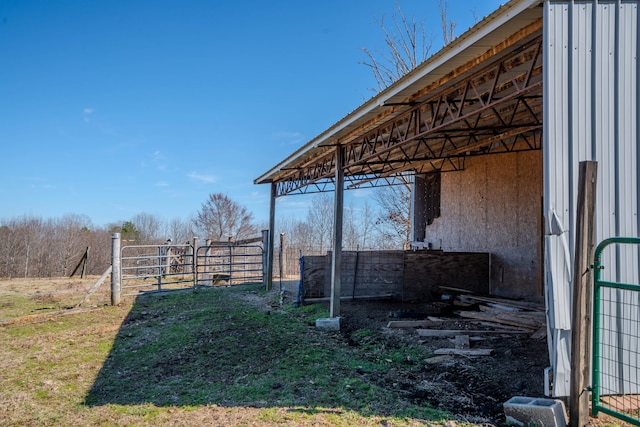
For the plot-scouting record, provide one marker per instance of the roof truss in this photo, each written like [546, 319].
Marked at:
[493, 108]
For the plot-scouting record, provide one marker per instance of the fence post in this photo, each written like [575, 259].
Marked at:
[194, 261]
[283, 256]
[265, 256]
[230, 242]
[582, 288]
[115, 269]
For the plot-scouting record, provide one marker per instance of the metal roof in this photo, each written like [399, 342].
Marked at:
[480, 94]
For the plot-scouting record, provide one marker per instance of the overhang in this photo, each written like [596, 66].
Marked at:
[480, 94]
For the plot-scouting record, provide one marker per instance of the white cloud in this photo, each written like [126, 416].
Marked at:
[204, 178]
[40, 183]
[86, 114]
[162, 184]
[159, 160]
[288, 138]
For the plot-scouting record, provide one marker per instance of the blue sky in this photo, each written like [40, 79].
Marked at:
[114, 108]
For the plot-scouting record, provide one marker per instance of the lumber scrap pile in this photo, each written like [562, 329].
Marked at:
[504, 313]
[480, 316]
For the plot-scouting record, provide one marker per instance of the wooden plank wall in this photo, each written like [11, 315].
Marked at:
[426, 271]
[409, 276]
[316, 268]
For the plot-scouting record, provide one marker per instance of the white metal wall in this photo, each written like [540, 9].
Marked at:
[591, 113]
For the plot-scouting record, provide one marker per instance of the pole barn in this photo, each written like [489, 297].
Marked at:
[491, 130]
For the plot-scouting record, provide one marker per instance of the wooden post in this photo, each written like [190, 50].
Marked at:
[207, 262]
[84, 263]
[336, 259]
[115, 269]
[283, 256]
[582, 289]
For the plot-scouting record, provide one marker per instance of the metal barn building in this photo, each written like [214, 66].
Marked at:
[493, 126]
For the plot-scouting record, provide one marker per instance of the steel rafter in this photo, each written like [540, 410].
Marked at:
[496, 109]
[500, 96]
[363, 180]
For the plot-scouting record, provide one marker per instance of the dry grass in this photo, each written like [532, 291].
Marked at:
[84, 368]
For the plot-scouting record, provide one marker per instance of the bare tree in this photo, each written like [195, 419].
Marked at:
[366, 225]
[350, 230]
[180, 231]
[448, 26]
[36, 247]
[320, 220]
[394, 222]
[221, 218]
[149, 227]
[406, 46]
[72, 231]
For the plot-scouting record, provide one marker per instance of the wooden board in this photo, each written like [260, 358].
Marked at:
[411, 323]
[504, 318]
[527, 305]
[454, 332]
[464, 352]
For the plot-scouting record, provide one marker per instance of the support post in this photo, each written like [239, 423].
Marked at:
[272, 225]
[265, 252]
[207, 263]
[582, 289]
[283, 256]
[336, 260]
[194, 261]
[115, 269]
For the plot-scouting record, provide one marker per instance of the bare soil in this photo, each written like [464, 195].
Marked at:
[473, 387]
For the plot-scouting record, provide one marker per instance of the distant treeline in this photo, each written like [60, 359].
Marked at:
[36, 247]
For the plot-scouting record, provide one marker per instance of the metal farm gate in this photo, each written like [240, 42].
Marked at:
[145, 268]
[229, 264]
[157, 268]
[616, 330]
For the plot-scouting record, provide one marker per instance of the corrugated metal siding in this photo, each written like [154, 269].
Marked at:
[591, 113]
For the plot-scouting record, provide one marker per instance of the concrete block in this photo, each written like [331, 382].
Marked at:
[531, 411]
[328, 324]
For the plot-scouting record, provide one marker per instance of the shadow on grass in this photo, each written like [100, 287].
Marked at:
[210, 347]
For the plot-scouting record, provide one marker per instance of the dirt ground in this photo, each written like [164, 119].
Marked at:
[474, 387]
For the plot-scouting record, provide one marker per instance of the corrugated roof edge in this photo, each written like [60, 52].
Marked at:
[488, 24]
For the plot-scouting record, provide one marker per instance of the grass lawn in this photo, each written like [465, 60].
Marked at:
[215, 356]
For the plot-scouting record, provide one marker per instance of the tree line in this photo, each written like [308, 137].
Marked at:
[32, 246]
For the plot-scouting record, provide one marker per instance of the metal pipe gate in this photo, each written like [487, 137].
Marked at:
[147, 268]
[229, 264]
[616, 335]
[156, 268]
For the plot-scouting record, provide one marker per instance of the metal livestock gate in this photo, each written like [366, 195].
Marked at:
[616, 336]
[145, 268]
[157, 268]
[229, 264]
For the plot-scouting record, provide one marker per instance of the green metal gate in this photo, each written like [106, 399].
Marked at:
[616, 335]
